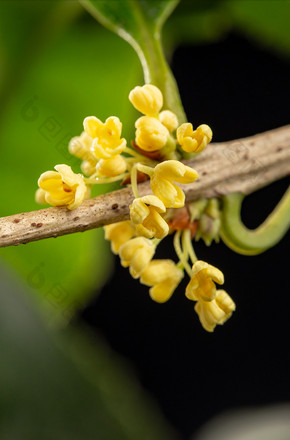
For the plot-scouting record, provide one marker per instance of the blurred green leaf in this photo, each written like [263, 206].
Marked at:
[73, 78]
[267, 21]
[196, 22]
[203, 21]
[65, 386]
[26, 29]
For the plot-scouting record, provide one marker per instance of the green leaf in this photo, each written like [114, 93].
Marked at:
[266, 21]
[25, 32]
[132, 20]
[140, 22]
[197, 22]
[71, 79]
[203, 21]
[66, 386]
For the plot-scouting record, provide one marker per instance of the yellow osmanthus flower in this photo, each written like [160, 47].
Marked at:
[81, 147]
[145, 214]
[62, 188]
[151, 134]
[169, 119]
[137, 253]
[167, 172]
[201, 285]
[147, 99]
[164, 276]
[193, 141]
[111, 167]
[88, 167]
[216, 311]
[107, 141]
[118, 234]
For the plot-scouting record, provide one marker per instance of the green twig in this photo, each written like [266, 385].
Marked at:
[253, 241]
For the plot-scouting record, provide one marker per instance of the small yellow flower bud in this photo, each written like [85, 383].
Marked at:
[80, 146]
[40, 196]
[145, 215]
[169, 119]
[136, 253]
[119, 233]
[201, 285]
[209, 222]
[193, 141]
[216, 311]
[147, 99]
[88, 167]
[106, 136]
[164, 276]
[111, 167]
[208, 229]
[63, 187]
[151, 135]
[162, 182]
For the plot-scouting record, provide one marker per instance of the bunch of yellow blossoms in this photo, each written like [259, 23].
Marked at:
[155, 153]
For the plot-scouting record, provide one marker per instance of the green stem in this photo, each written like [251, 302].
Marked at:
[251, 242]
[187, 244]
[97, 179]
[144, 35]
[145, 169]
[157, 71]
[182, 255]
[156, 241]
[234, 247]
[134, 153]
[155, 67]
[134, 184]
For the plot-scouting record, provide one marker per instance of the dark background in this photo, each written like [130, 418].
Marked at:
[239, 89]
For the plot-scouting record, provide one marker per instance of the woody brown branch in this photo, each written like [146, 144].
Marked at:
[242, 165]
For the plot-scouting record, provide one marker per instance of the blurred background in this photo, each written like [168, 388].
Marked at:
[85, 352]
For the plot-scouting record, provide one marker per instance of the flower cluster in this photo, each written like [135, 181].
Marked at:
[154, 155]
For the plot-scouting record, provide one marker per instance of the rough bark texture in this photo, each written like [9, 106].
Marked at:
[242, 165]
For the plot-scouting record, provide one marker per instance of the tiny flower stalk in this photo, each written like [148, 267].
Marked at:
[252, 242]
[181, 253]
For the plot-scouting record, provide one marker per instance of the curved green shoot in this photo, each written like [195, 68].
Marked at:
[253, 241]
